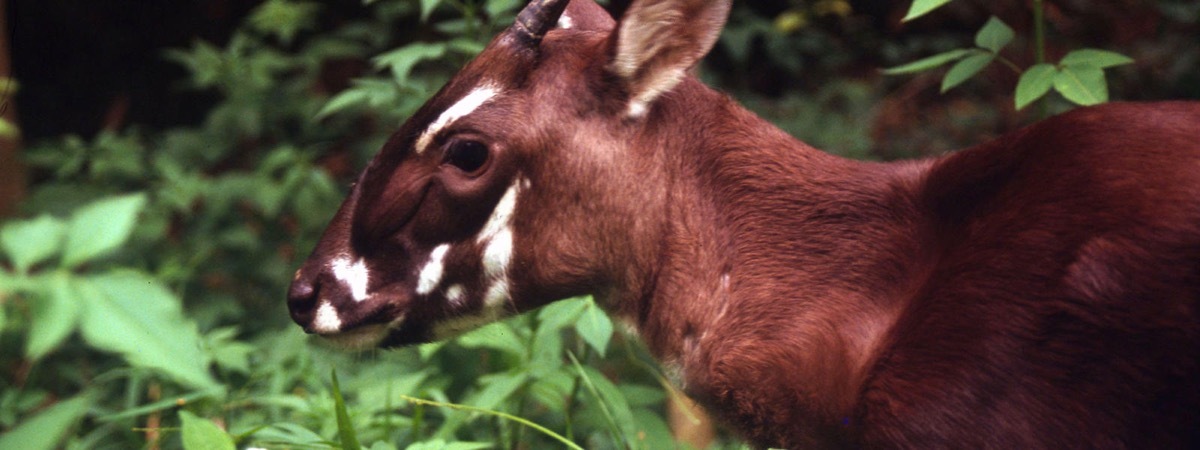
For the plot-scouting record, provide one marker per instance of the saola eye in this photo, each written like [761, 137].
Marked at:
[467, 155]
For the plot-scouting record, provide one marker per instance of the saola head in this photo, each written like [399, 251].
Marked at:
[518, 183]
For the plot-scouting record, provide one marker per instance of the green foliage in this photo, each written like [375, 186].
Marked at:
[1078, 76]
[141, 297]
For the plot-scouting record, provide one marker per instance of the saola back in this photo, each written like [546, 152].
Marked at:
[1036, 291]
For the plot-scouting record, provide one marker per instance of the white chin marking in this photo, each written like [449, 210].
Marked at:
[359, 338]
[431, 274]
[468, 104]
[564, 22]
[327, 320]
[354, 275]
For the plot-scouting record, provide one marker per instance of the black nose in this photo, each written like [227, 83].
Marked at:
[302, 301]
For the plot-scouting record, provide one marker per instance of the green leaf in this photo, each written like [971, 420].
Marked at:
[1083, 85]
[929, 62]
[29, 242]
[560, 314]
[132, 314]
[202, 434]
[8, 129]
[346, 433]
[965, 69]
[100, 227]
[595, 328]
[922, 7]
[427, 7]
[284, 18]
[47, 429]
[497, 388]
[53, 316]
[994, 35]
[497, 336]
[1094, 58]
[402, 60]
[1034, 83]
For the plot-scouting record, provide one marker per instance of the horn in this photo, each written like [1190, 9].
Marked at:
[538, 17]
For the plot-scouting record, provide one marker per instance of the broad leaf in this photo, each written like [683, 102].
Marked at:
[48, 428]
[497, 336]
[922, 7]
[497, 388]
[929, 62]
[595, 328]
[53, 316]
[402, 60]
[132, 314]
[1034, 83]
[1095, 58]
[100, 227]
[1083, 85]
[202, 434]
[965, 69]
[994, 35]
[28, 242]
[560, 314]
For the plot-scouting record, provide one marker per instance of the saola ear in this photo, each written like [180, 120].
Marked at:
[658, 41]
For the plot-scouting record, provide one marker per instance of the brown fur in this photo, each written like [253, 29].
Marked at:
[1037, 291]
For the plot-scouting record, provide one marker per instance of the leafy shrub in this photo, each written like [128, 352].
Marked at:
[142, 303]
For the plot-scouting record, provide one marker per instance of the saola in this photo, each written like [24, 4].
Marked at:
[1036, 291]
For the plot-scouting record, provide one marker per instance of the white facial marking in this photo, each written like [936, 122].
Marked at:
[454, 294]
[354, 275]
[637, 109]
[496, 295]
[501, 216]
[565, 22]
[462, 108]
[497, 254]
[431, 274]
[327, 320]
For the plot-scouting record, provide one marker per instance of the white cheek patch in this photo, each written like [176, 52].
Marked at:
[462, 108]
[501, 216]
[496, 294]
[327, 320]
[455, 294]
[354, 275]
[497, 254]
[565, 22]
[431, 274]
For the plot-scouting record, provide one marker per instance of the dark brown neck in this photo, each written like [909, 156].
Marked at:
[775, 256]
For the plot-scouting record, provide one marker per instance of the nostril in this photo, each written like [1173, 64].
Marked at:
[302, 302]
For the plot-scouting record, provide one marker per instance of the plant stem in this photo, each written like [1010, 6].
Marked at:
[505, 416]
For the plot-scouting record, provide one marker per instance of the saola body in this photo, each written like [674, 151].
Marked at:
[1036, 291]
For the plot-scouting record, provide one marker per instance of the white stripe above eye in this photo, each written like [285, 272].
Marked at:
[468, 104]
